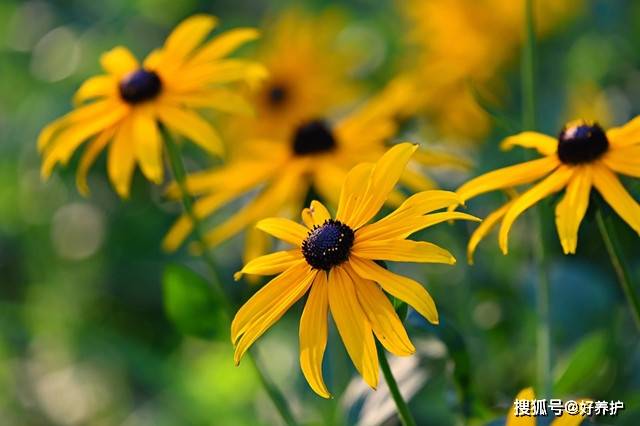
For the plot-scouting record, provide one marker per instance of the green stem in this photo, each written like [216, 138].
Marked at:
[617, 261]
[403, 409]
[543, 331]
[177, 168]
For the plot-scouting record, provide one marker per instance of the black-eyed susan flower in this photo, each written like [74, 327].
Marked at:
[334, 260]
[124, 108]
[461, 44]
[317, 153]
[582, 157]
[526, 410]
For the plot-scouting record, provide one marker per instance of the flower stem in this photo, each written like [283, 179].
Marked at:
[543, 332]
[177, 169]
[403, 409]
[617, 261]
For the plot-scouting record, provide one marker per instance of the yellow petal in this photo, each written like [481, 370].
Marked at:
[546, 145]
[402, 251]
[609, 186]
[284, 229]
[508, 177]
[567, 420]
[353, 192]
[95, 87]
[384, 176]
[485, 227]
[571, 209]
[270, 264]
[219, 99]
[405, 289]
[353, 325]
[383, 318]
[224, 44]
[148, 146]
[315, 215]
[224, 71]
[188, 35]
[192, 126]
[121, 160]
[89, 157]
[626, 135]
[119, 62]
[313, 334]
[259, 313]
[553, 183]
[512, 419]
[624, 160]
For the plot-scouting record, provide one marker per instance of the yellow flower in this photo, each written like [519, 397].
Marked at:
[522, 420]
[335, 260]
[316, 154]
[124, 107]
[304, 81]
[464, 43]
[583, 156]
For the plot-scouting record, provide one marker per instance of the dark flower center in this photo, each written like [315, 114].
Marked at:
[313, 137]
[277, 95]
[139, 86]
[328, 245]
[581, 143]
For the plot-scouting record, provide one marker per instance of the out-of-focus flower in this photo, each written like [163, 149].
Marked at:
[587, 100]
[528, 397]
[124, 108]
[336, 260]
[583, 156]
[463, 44]
[317, 153]
[309, 75]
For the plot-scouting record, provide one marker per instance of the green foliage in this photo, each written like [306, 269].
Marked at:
[583, 366]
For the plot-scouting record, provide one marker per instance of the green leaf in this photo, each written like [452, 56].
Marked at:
[583, 366]
[191, 305]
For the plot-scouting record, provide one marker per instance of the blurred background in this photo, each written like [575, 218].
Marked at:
[92, 334]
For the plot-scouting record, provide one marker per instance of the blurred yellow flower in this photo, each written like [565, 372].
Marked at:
[317, 153]
[529, 420]
[463, 44]
[336, 260]
[124, 107]
[583, 156]
[309, 74]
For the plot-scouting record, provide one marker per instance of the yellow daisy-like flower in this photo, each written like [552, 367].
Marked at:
[524, 420]
[468, 42]
[316, 154]
[304, 82]
[124, 107]
[583, 156]
[335, 261]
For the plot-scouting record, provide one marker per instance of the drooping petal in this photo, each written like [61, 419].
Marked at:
[284, 229]
[353, 325]
[352, 192]
[484, 228]
[383, 318]
[512, 419]
[270, 264]
[402, 229]
[189, 124]
[402, 251]
[148, 145]
[265, 297]
[313, 334]
[403, 288]
[89, 156]
[626, 135]
[223, 45]
[315, 215]
[119, 62]
[609, 186]
[624, 160]
[546, 145]
[384, 176]
[508, 177]
[219, 99]
[567, 420]
[95, 87]
[572, 208]
[188, 35]
[553, 183]
[121, 160]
